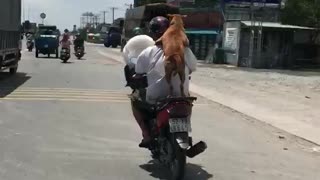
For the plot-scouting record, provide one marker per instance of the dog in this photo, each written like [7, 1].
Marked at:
[173, 42]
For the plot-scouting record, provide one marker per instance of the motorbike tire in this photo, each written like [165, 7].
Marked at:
[13, 70]
[57, 53]
[114, 45]
[37, 53]
[180, 161]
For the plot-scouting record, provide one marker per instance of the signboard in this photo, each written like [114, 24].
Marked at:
[43, 15]
[254, 1]
[231, 38]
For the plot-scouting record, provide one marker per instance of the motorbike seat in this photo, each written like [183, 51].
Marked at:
[161, 104]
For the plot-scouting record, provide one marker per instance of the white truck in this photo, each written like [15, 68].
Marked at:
[10, 35]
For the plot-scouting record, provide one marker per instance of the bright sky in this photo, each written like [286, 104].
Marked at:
[66, 13]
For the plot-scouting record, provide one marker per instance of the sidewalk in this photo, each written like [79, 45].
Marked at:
[288, 100]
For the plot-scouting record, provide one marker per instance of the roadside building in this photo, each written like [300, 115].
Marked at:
[255, 37]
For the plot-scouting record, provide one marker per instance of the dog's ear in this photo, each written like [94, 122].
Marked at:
[170, 15]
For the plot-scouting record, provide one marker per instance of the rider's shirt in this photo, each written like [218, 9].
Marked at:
[66, 44]
[151, 62]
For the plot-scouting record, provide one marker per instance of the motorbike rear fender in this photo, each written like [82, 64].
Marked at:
[182, 140]
[173, 110]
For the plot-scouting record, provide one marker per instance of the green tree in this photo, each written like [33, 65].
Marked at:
[302, 12]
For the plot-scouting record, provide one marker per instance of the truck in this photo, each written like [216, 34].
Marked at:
[32, 29]
[10, 35]
[47, 41]
[141, 16]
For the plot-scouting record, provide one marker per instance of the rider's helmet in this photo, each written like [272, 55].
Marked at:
[137, 31]
[158, 26]
[66, 31]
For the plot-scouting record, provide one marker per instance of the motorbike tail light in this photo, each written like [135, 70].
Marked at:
[162, 118]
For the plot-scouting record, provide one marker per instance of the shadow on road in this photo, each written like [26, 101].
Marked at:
[8, 83]
[68, 62]
[193, 171]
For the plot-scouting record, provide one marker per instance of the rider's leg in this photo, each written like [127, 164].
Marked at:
[140, 118]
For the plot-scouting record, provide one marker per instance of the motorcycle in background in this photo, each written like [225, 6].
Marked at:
[65, 55]
[79, 52]
[30, 45]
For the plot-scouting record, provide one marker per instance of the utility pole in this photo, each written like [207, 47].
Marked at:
[104, 16]
[112, 9]
[28, 12]
[23, 9]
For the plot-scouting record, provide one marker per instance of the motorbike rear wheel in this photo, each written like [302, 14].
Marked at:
[178, 163]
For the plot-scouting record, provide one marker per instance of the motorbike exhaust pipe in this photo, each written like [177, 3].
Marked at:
[197, 149]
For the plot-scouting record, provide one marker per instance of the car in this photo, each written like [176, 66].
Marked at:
[113, 37]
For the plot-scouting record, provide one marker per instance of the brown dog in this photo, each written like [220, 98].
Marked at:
[174, 41]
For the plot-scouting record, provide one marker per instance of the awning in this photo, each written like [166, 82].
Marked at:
[204, 32]
[274, 25]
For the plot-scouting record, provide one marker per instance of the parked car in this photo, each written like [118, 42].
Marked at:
[113, 37]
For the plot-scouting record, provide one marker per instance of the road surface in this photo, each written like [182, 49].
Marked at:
[73, 122]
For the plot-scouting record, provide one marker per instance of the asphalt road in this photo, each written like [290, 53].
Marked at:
[73, 122]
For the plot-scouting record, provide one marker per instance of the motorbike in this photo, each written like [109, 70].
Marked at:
[79, 52]
[30, 45]
[65, 55]
[170, 127]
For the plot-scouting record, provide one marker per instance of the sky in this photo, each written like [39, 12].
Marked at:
[66, 13]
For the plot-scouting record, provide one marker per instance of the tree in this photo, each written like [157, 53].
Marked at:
[302, 12]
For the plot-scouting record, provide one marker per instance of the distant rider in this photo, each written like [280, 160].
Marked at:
[78, 42]
[65, 42]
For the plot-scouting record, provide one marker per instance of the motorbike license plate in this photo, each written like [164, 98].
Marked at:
[180, 125]
[46, 46]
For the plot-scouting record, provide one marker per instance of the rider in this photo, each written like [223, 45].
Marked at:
[65, 42]
[78, 42]
[137, 31]
[150, 73]
[66, 32]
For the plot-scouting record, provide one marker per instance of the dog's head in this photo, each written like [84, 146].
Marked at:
[176, 19]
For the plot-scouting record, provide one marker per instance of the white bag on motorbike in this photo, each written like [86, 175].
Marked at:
[134, 47]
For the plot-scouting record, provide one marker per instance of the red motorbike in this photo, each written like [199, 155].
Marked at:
[170, 127]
